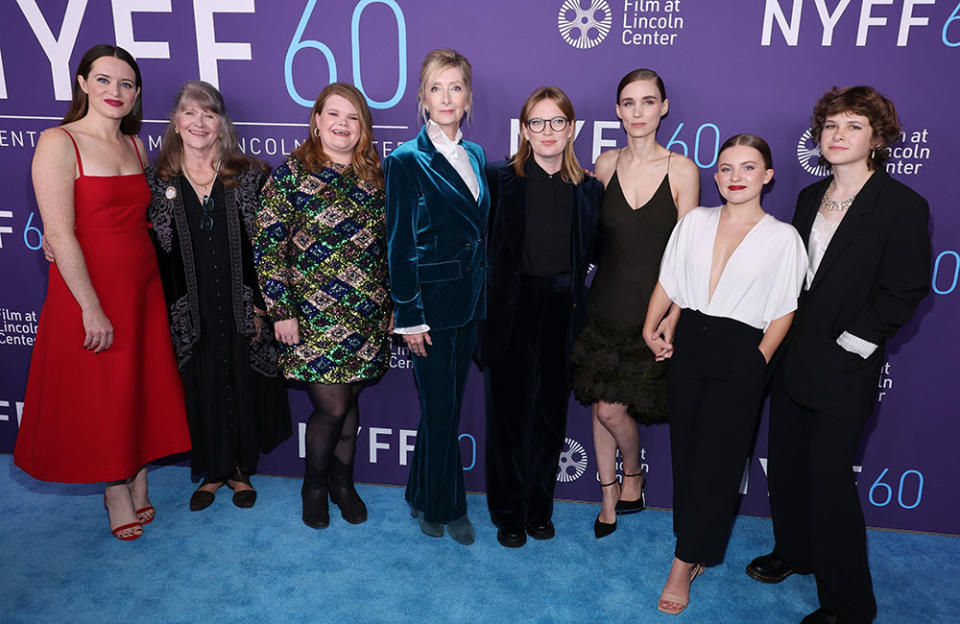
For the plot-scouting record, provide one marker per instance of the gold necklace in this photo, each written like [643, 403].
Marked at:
[203, 187]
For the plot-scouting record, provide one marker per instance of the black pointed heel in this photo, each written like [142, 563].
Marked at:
[630, 507]
[603, 529]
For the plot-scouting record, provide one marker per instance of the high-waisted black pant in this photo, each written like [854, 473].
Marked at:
[715, 389]
[527, 392]
[817, 518]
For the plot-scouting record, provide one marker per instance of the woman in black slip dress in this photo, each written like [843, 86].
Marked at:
[613, 369]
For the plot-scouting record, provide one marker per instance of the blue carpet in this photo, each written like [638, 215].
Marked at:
[58, 563]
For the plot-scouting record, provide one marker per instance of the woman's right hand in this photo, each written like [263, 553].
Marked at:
[417, 343]
[287, 331]
[98, 330]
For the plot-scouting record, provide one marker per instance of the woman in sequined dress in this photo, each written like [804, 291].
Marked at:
[321, 259]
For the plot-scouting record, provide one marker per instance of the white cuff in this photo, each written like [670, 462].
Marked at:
[855, 344]
[416, 329]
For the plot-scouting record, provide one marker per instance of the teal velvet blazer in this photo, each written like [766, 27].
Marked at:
[435, 229]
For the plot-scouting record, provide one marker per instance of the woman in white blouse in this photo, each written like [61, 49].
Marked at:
[735, 272]
[437, 206]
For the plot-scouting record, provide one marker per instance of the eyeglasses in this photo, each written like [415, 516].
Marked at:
[206, 213]
[537, 125]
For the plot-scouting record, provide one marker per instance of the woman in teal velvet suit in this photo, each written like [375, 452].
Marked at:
[437, 206]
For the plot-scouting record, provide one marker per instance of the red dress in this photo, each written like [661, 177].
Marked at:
[100, 417]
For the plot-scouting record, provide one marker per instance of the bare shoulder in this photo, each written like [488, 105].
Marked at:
[684, 183]
[141, 150]
[54, 151]
[55, 140]
[683, 167]
[606, 165]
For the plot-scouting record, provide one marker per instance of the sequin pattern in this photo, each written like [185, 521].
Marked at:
[321, 258]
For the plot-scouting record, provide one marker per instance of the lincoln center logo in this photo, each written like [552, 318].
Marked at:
[584, 28]
[808, 153]
[573, 461]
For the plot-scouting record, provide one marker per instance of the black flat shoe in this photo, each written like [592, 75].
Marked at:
[245, 499]
[540, 531]
[625, 507]
[201, 499]
[511, 537]
[769, 569]
[242, 498]
[821, 616]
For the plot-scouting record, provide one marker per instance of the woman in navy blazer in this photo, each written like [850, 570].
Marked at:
[543, 223]
[437, 206]
[869, 249]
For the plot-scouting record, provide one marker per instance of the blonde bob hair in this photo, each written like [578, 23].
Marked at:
[436, 62]
[570, 170]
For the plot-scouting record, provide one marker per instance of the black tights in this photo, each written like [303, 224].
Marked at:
[332, 427]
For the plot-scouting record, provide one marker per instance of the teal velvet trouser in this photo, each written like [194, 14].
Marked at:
[435, 485]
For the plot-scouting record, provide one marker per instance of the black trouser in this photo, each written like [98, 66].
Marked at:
[527, 392]
[715, 388]
[817, 519]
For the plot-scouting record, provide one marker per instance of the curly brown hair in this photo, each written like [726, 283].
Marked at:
[861, 100]
[366, 162]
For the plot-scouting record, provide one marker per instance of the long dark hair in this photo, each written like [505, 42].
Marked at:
[130, 124]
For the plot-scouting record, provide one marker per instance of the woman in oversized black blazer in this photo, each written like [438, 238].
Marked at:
[542, 228]
[864, 283]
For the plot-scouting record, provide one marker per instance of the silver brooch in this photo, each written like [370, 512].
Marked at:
[171, 192]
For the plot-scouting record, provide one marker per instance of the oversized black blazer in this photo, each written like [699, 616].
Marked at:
[875, 272]
[506, 231]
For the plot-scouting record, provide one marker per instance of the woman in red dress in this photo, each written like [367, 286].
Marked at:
[103, 395]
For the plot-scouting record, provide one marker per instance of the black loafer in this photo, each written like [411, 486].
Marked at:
[201, 499]
[769, 569]
[541, 531]
[511, 537]
[821, 616]
[245, 498]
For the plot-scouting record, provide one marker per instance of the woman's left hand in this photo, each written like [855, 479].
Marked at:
[658, 344]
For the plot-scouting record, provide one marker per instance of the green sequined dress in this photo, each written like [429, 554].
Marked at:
[321, 258]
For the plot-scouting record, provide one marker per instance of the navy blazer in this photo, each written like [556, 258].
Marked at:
[435, 229]
[505, 247]
[875, 272]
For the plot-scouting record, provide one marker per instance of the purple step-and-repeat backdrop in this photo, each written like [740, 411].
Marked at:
[729, 67]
